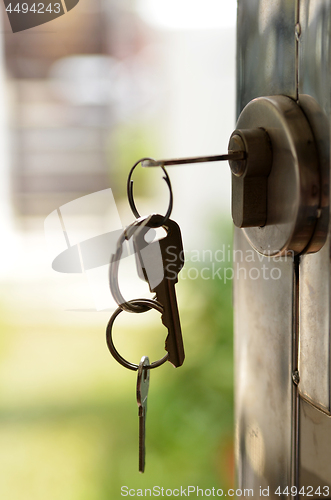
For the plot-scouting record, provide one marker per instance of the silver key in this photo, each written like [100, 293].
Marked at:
[159, 263]
[142, 393]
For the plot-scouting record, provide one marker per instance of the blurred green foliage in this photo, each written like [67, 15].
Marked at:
[129, 142]
[74, 435]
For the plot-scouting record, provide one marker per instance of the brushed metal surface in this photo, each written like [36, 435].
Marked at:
[315, 446]
[266, 49]
[263, 358]
[314, 329]
[269, 414]
[314, 291]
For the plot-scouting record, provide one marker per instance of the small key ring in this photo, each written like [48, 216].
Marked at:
[152, 221]
[114, 267]
[151, 304]
[129, 189]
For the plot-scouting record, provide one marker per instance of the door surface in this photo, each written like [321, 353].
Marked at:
[282, 305]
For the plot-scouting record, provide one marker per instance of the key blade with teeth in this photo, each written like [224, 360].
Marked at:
[166, 295]
[142, 393]
[159, 263]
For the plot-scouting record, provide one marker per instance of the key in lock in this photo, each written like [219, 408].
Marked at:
[279, 183]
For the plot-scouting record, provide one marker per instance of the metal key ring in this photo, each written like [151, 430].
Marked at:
[114, 267]
[129, 188]
[151, 304]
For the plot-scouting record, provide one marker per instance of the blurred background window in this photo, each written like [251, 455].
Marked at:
[83, 98]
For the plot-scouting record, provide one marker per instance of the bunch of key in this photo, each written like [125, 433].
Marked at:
[158, 263]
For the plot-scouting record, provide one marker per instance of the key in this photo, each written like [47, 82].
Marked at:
[142, 393]
[159, 263]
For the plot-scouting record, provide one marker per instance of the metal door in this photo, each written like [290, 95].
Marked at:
[282, 305]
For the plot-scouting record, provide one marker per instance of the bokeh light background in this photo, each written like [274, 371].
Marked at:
[83, 98]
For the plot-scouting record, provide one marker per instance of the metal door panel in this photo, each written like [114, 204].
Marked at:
[314, 336]
[266, 65]
[314, 273]
[314, 51]
[281, 439]
[315, 446]
[263, 359]
[314, 292]
[266, 49]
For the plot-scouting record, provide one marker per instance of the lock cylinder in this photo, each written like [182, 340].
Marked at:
[277, 188]
[250, 176]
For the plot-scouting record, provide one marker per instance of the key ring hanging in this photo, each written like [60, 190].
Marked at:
[128, 306]
[129, 189]
[148, 304]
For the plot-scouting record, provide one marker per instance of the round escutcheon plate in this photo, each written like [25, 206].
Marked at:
[294, 182]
